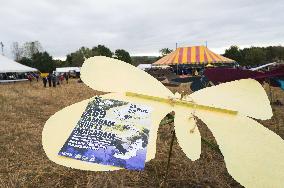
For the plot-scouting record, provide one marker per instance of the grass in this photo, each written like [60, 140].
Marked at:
[24, 110]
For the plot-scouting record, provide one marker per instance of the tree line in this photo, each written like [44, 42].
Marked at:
[77, 58]
[255, 55]
[33, 55]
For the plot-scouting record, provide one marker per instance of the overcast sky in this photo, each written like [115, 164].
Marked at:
[141, 27]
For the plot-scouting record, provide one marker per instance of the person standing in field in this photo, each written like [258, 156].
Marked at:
[53, 78]
[30, 78]
[36, 76]
[58, 79]
[49, 79]
[66, 77]
[44, 80]
[61, 77]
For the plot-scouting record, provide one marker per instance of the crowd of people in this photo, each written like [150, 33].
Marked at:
[49, 80]
[18, 76]
[52, 79]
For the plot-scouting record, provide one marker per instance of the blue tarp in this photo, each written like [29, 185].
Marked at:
[281, 82]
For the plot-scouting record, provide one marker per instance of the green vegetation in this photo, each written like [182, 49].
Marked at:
[41, 61]
[137, 60]
[150, 59]
[165, 51]
[255, 55]
[77, 58]
[32, 54]
[123, 55]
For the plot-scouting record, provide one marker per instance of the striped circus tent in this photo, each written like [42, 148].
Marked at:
[193, 55]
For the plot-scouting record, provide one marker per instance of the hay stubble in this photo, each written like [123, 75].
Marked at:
[24, 110]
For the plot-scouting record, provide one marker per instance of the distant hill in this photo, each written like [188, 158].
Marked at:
[136, 60]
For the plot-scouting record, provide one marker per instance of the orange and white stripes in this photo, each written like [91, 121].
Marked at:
[193, 55]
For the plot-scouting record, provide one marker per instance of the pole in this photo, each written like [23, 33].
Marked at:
[169, 159]
[2, 46]
[270, 91]
[177, 63]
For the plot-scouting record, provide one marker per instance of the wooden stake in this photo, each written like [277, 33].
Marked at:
[169, 159]
[270, 92]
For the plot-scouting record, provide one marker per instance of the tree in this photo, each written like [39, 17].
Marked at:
[87, 52]
[254, 56]
[17, 51]
[75, 59]
[59, 63]
[123, 56]
[43, 62]
[165, 51]
[137, 60]
[101, 50]
[234, 53]
[274, 53]
[26, 61]
[31, 48]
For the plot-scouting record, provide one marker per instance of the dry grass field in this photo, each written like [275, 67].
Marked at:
[24, 109]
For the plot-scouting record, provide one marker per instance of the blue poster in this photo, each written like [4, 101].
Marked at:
[111, 132]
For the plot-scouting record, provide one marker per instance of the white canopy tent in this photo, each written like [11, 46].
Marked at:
[67, 69]
[144, 66]
[8, 65]
[149, 66]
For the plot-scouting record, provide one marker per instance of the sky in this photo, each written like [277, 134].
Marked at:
[141, 27]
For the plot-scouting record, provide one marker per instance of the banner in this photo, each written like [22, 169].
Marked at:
[111, 132]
